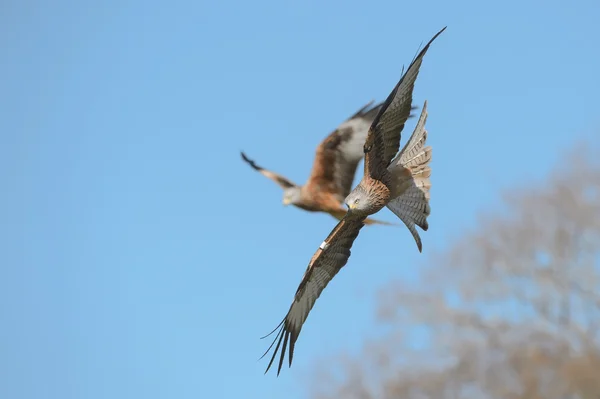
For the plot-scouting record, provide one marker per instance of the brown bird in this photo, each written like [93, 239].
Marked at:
[398, 180]
[333, 169]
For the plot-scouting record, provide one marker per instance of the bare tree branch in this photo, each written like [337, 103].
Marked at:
[512, 308]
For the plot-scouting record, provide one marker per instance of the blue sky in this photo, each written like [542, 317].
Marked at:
[142, 258]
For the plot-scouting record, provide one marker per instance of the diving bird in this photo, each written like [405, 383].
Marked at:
[333, 168]
[396, 180]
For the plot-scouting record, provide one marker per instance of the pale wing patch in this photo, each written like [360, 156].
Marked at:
[352, 149]
[349, 152]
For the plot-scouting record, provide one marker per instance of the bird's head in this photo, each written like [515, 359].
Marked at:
[357, 200]
[291, 195]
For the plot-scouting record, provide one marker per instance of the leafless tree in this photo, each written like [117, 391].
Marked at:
[510, 310]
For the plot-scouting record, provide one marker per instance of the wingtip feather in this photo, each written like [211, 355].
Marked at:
[283, 350]
[249, 161]
[277, 339]
[278, 326]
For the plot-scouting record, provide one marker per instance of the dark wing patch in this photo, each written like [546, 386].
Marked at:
[390, 120]
[277, 178]
[331, 256]
[366, 112]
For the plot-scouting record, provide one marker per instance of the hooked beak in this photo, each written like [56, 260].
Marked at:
[286, 201]
[351, 206]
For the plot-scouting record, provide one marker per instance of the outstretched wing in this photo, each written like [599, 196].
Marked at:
[384, 133]
[331, 256]
[277, 178]
[338, 155]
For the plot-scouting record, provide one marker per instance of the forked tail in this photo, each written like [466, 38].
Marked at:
[411, 171]
[339, 215]
[369, 221]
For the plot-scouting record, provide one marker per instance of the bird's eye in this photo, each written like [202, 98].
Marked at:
[356, 201]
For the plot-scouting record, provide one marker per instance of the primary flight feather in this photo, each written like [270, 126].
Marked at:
[398, 180]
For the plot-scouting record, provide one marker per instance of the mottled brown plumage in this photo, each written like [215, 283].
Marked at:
[399, 181]
[334, 166]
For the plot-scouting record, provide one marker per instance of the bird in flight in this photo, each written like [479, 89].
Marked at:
[333, 168]
[396, 180]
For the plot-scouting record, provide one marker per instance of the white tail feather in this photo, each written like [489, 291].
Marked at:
[411, 195]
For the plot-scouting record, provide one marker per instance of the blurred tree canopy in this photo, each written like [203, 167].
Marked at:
[509, 310]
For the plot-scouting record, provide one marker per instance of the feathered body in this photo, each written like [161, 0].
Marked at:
[334, 166]
[398, 180]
